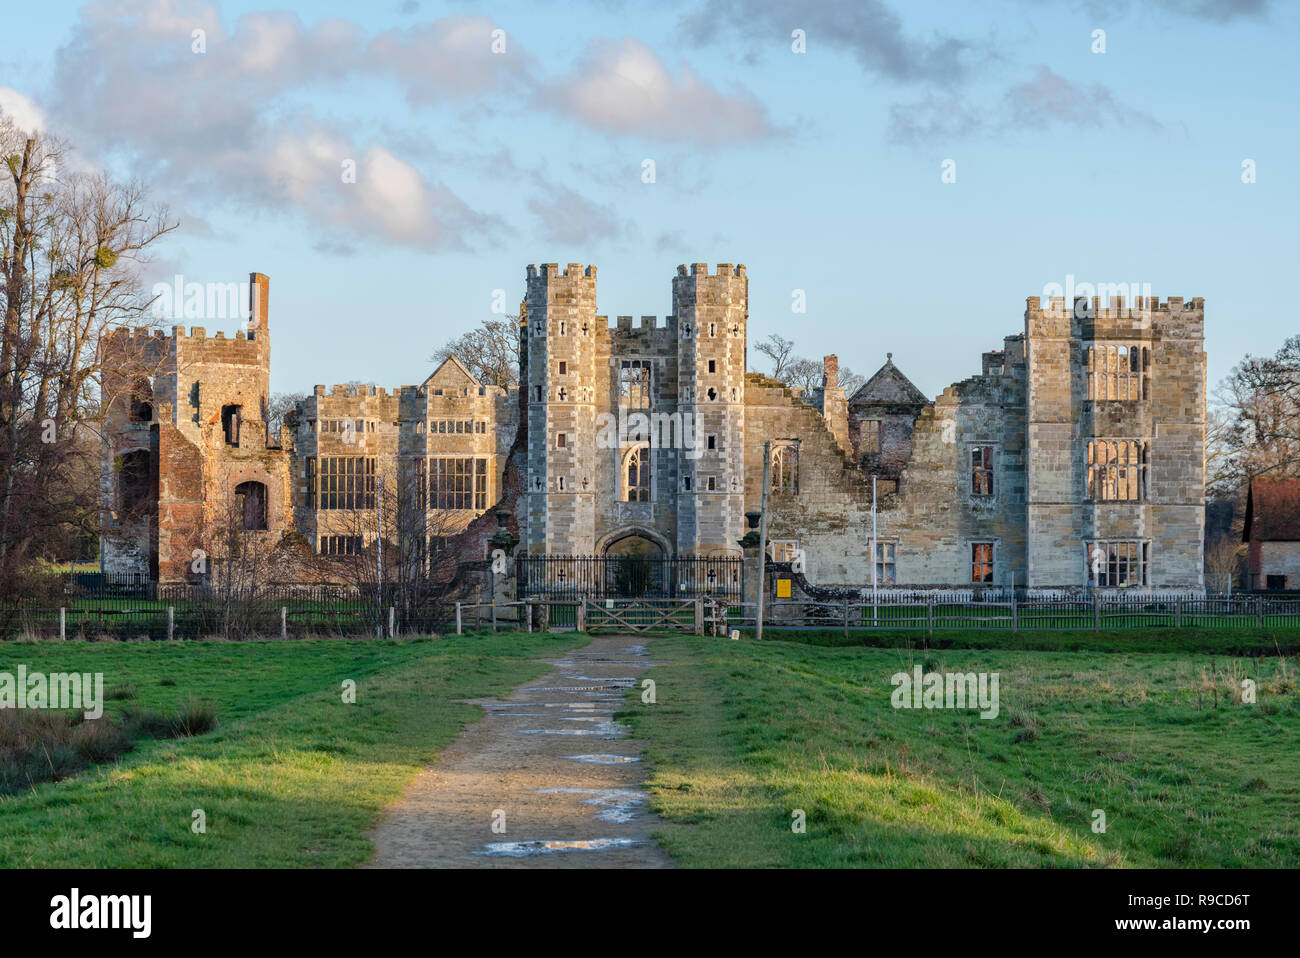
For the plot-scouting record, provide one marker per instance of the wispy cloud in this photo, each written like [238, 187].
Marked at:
[1045, 100]
[868, 29]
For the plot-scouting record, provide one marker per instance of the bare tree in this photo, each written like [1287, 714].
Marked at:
[418, 548]
[490, 352]
[71, 248]
[781, 351]
[279, 410]
[1258, 420]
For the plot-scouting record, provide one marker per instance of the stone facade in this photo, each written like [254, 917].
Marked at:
[1075, 457]
[203, 444]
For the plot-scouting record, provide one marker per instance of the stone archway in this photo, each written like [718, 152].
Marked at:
[636, 561]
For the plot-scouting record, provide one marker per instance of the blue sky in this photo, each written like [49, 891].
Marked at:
[820, 171]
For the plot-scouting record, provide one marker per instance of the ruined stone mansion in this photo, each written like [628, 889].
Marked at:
[1073, 457]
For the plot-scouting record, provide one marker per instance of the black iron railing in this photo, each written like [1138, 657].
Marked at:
[629, 576]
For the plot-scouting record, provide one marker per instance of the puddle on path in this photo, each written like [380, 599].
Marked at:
[601, 758]
[524, 849]
[614, 805]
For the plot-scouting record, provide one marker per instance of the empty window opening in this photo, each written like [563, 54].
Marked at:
[345, 482]
[135, 481]
[1117, 470]
[340, 545]
[981, 471]
[142, 401]
[783, 550]
[870, 441]
[634, 384]
[1117, 564]
[250, 506]
[981, 563]
[458, 483]
[636, 475]
[886, 563]
[1118, 372]
[785, 469]
[230, 416]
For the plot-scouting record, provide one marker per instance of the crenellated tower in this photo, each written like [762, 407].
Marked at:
[711, 312]
[561, 343]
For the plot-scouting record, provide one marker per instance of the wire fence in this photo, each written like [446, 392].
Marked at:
[1013, 613]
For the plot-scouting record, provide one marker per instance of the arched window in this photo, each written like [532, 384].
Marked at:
[636, 475]
[785, 469]
[250, 506]
[135, 481]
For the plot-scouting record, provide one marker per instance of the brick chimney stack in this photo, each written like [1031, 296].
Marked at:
[259, 296]
[830, 372]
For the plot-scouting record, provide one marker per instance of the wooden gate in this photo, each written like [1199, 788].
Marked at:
[643, 615]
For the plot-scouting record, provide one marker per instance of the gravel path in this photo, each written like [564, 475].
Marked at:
[551, 758]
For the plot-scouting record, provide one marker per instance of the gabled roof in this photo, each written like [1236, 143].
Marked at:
[1273, 511]
[452, 372]
[889, 385]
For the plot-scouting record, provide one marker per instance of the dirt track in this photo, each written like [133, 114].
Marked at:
[553, 760]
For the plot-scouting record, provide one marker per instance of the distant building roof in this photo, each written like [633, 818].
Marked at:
[889, 386]
[1273, 510]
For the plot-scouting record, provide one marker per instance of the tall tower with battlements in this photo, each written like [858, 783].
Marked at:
[711, 313]
[561, 343]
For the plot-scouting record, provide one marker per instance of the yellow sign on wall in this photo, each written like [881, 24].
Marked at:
[783, 588]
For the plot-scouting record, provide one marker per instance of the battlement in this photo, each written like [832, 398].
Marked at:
[345, 391]
[552, 270]
[702, 269]
[1115, 307]
[624, 323]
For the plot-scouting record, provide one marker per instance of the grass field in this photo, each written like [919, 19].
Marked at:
[293, 775]
[743, 734]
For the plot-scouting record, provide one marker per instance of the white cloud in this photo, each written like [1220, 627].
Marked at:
[623, 87]
[227, 126]
[25, 114]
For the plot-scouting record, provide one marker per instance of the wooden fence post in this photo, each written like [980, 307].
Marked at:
[699, 616]
[929, 615]
[846, 620]
[1015, 617]
[458, 629]
[284, 622]
[494, 616]
[580, 615]
[63, 624]
[1259, 608]
[391, 615]
[171, 622]
[526, 610]
[1178, 613]
[1096, 612]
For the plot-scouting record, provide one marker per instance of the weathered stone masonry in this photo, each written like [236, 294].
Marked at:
[1074, 457]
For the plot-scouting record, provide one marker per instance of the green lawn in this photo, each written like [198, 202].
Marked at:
[292, 777]
[743, 734]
